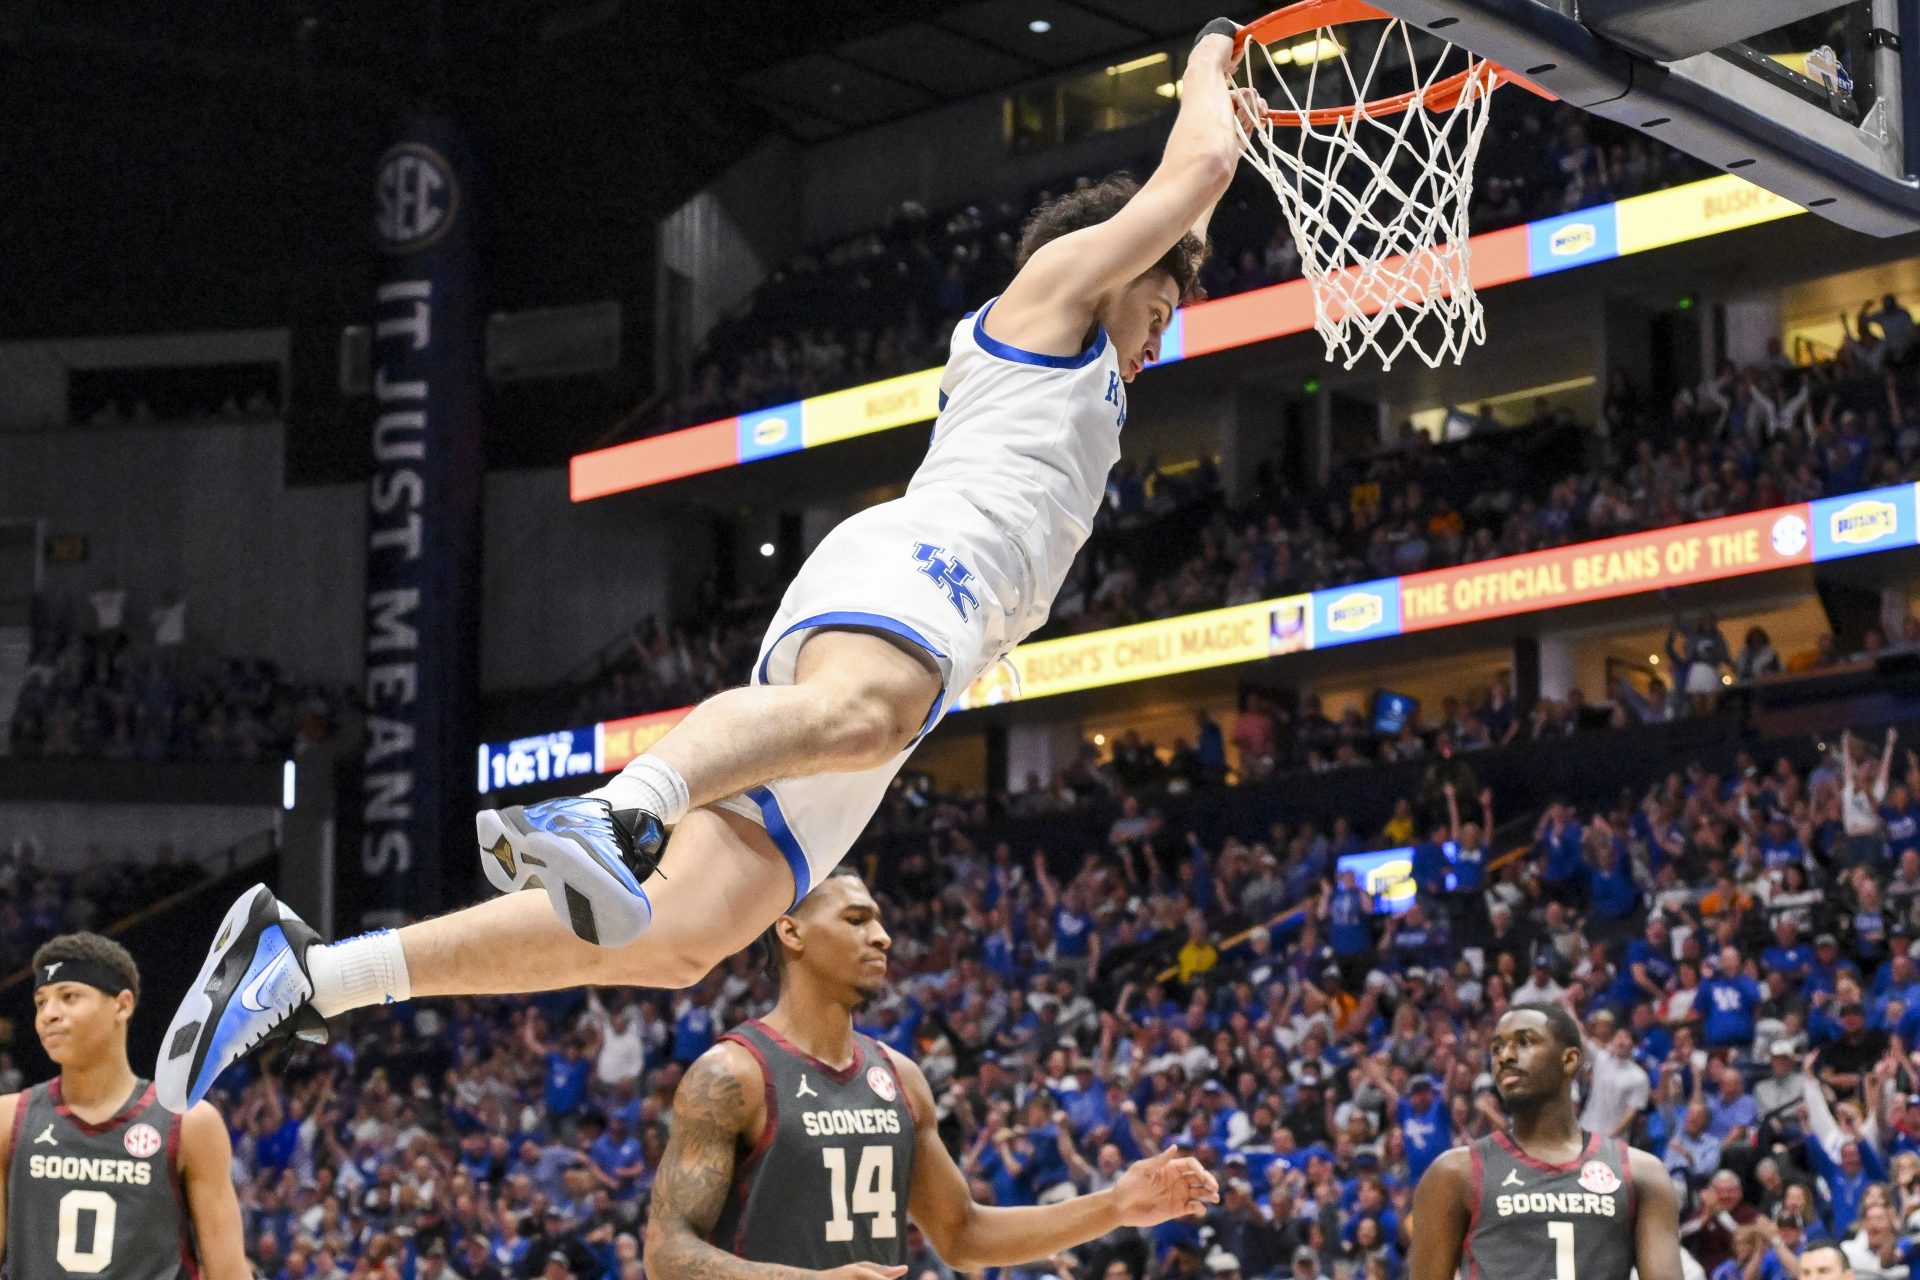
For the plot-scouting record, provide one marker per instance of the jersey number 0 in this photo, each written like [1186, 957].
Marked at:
[873, 1193]
[93, 1259]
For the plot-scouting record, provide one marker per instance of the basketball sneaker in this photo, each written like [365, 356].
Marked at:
[253, 987]
[590, 860]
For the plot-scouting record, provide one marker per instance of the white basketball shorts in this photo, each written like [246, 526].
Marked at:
[930, 568]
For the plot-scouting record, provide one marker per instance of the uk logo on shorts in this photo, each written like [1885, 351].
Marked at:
[1596, 1177]
[881, 1083]
[949, 573]
[142, 1141]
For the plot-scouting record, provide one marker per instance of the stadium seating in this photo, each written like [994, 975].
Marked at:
[1181, 983]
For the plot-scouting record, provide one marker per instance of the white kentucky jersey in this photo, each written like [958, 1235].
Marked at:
[1028, 439]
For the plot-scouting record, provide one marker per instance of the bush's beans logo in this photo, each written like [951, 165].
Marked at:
[142, 1140]
[769, 431]
[1355, 611]
[1789, 535]
[417, 198]
[1575, 237]
[1599, 1179]
[881, 1082]
[1867, 520]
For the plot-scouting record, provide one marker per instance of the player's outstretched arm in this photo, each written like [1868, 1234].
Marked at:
[1442, 1208]
[1076, 272]
[970, 1236]
[1656, 1226]
[720, 1099]
[206, 1167]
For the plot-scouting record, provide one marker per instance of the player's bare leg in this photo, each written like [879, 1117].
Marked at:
[858, 699]
[720, 884]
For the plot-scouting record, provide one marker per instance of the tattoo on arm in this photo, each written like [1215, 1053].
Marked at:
[709, 1117]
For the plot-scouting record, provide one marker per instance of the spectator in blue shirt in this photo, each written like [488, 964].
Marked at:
[1694, 1153]
[1614, 896]
[1728, 1000]
[1902, 818]
[1827, 967]
[1557, 842]
[1788, 954]
[694, 1030]
[568, 1070]
[1426, 1125]
[1779, 846]
[617, 1157]
[1348, 911]
[1645, 969]
[1732, 1110]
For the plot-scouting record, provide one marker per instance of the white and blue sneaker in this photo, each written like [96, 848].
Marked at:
[253, 986]
[590, 860]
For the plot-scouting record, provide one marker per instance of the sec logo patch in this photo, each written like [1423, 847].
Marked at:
[880, 1080]
[142, 1141]
[1599, 1179]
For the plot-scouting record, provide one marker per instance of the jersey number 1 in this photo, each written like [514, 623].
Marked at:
[93, 1259]
[872, 1193]
[1561, 1233]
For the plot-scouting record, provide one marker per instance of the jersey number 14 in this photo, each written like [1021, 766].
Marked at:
[873, 1194]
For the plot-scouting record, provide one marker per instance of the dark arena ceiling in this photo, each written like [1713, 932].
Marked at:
[206, 163]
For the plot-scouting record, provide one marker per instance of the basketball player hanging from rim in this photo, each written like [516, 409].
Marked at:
[800, 1146]
[101, 1180]
[1544, 1200]
[760, 791]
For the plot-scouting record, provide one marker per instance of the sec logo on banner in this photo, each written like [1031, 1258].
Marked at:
[416, 198]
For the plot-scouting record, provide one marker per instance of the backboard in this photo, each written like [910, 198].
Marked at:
[1802, 97]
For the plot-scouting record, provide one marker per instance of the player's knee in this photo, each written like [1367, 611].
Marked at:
[872, 730]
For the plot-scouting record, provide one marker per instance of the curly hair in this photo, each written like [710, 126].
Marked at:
[1091, 205]
[90, 946]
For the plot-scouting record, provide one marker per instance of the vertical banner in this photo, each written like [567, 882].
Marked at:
[423, 531]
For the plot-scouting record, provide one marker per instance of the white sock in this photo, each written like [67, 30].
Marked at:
[650, 784]
[369, 969]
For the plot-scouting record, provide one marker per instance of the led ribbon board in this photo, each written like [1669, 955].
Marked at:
[1635, 225]
[1802, 533]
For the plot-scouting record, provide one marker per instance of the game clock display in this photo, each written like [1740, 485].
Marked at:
[546, 757]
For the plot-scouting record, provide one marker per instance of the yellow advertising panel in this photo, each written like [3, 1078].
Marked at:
[1725, 203]
[1146, 651]
[877, 406]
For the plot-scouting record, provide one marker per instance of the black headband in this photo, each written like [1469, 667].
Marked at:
[91, 972]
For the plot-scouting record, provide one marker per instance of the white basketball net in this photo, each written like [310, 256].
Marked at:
[1377, 202]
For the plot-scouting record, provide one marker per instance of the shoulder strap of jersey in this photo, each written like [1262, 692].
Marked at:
[20, 1110]
[752, 1036]
[754, 1039]
[1626, 1176]
[1476, 1181]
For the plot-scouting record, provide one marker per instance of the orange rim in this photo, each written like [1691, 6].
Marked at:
[1483, 76]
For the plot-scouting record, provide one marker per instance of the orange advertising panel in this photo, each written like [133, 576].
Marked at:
[1248, 317]
[1724, 548]
[1498, 257]
[707, 447]
[623, 741]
